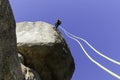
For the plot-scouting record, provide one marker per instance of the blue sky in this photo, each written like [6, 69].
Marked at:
[97, 21]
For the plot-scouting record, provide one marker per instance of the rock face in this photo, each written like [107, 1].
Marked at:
[29, 74]
[9, 63]
[44, 50]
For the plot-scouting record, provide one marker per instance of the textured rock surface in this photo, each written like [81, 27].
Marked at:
[9, 63]
[45, 50]
[29, 74]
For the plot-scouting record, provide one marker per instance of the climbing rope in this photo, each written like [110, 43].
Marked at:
[75, 38]
[99, 53]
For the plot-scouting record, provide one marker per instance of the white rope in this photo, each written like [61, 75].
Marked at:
[99, 53]
[91, 59]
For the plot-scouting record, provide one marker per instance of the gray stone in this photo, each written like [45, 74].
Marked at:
[9, 63]
[45, 50]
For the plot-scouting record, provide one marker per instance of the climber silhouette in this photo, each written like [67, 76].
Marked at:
[58, 22]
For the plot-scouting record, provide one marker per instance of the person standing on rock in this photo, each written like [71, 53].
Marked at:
[58, 22]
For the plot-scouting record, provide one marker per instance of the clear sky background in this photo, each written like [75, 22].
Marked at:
[97, 21]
